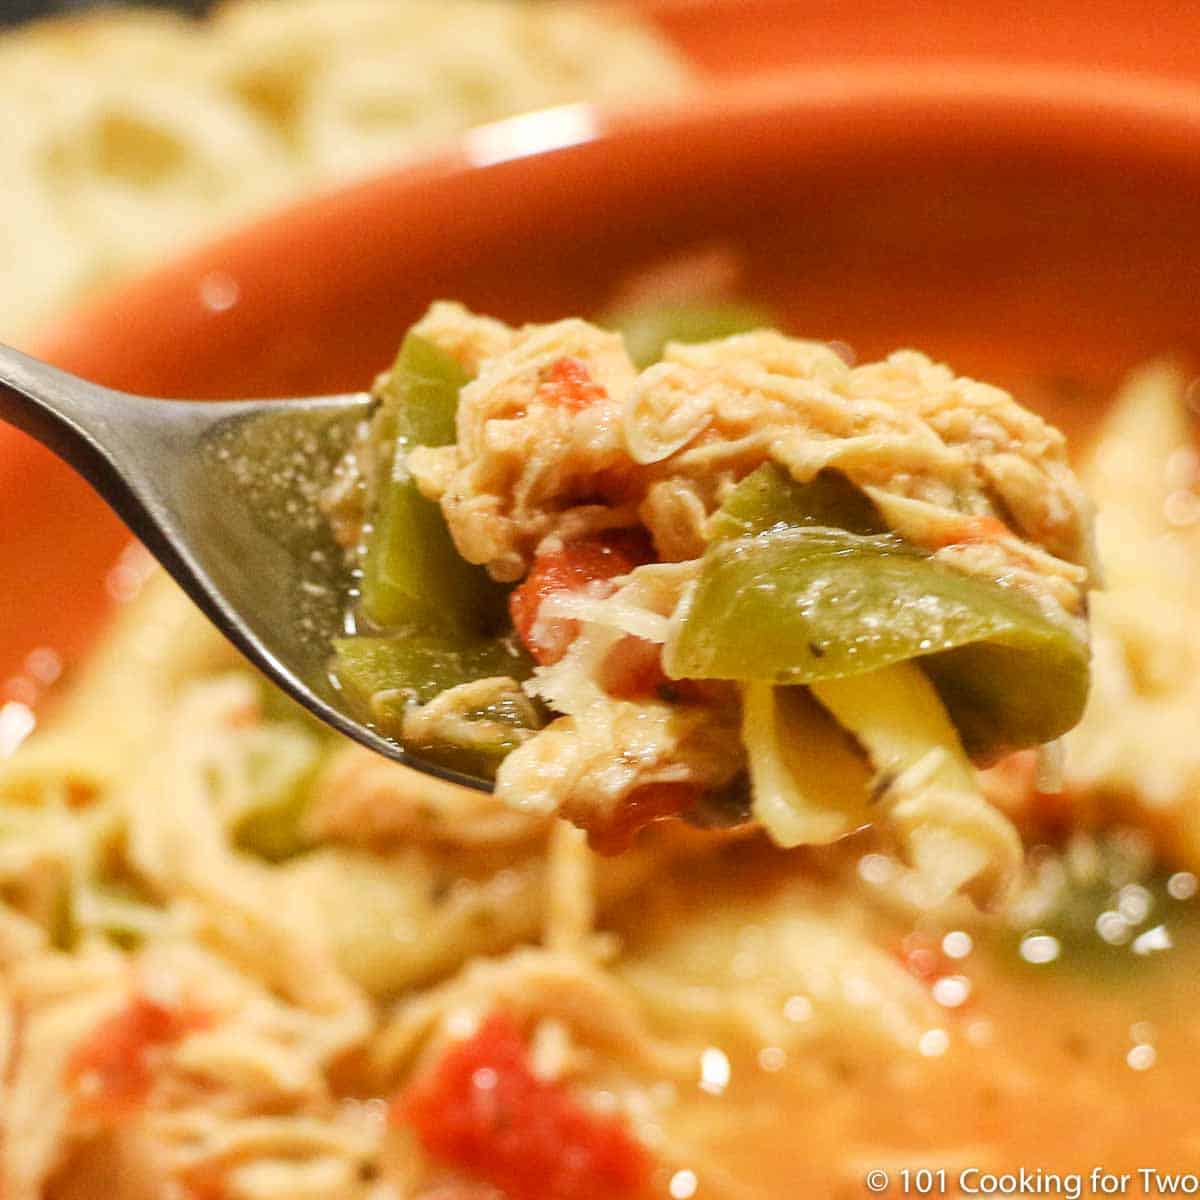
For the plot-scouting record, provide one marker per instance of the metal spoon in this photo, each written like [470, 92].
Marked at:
[224, 495]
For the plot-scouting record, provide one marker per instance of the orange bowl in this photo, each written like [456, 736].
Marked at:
[740, 37]
[1022, 223]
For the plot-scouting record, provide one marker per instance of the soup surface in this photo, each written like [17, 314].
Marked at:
[233, 951]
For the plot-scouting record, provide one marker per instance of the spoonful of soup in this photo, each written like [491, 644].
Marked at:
[226, 496]
[737, 579]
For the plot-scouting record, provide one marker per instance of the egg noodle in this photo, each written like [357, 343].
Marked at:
[323, 924]
[126, 136]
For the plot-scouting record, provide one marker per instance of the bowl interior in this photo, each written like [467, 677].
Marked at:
[1024, 225]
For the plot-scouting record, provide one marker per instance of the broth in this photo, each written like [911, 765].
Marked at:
[1044, 1066]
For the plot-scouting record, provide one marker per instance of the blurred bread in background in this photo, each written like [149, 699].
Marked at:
[128, 135]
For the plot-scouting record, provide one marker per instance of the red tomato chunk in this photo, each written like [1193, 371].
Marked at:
[643, 806]
[482, 1109]
[576, 566]
[632, 669]
[110, 1070]
[569, 385]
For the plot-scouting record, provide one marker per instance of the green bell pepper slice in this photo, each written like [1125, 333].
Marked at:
[384, 676]
[794, 605]
[769, 497]
[489, 734]
[434, 619]
[412, 572]
[648, 328]
[422, 664]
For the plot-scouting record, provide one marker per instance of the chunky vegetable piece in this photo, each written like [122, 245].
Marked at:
[839, 604]
[576, 566]
[483, 1110]
[412, 573]
[770, 498]
[442, 615]
[414, 667]
[569, 384]
[647, 329]
[110, 1072]
[387, 676]
[280, 770]
[924, 784]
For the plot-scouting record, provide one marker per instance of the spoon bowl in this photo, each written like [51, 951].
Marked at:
[226, 496]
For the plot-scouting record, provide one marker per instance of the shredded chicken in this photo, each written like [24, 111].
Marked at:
[658, 445]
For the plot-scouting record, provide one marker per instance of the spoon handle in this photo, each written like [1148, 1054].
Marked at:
[68, 415]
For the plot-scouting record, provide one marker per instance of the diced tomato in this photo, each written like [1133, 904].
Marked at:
[643, 806]
[632, 669]
[576, 566]
[973, 529]
[110, 1070]
[483, 1110]
[569, 384]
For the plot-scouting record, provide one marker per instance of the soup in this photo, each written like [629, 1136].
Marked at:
[245, 960]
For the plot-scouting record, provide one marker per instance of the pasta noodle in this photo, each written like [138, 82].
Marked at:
[175, 130]
[1134, 753]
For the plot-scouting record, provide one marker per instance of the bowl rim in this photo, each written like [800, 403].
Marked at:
[840, 114]
[1063, 108]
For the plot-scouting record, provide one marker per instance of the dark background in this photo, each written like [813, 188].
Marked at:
[13, 11]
